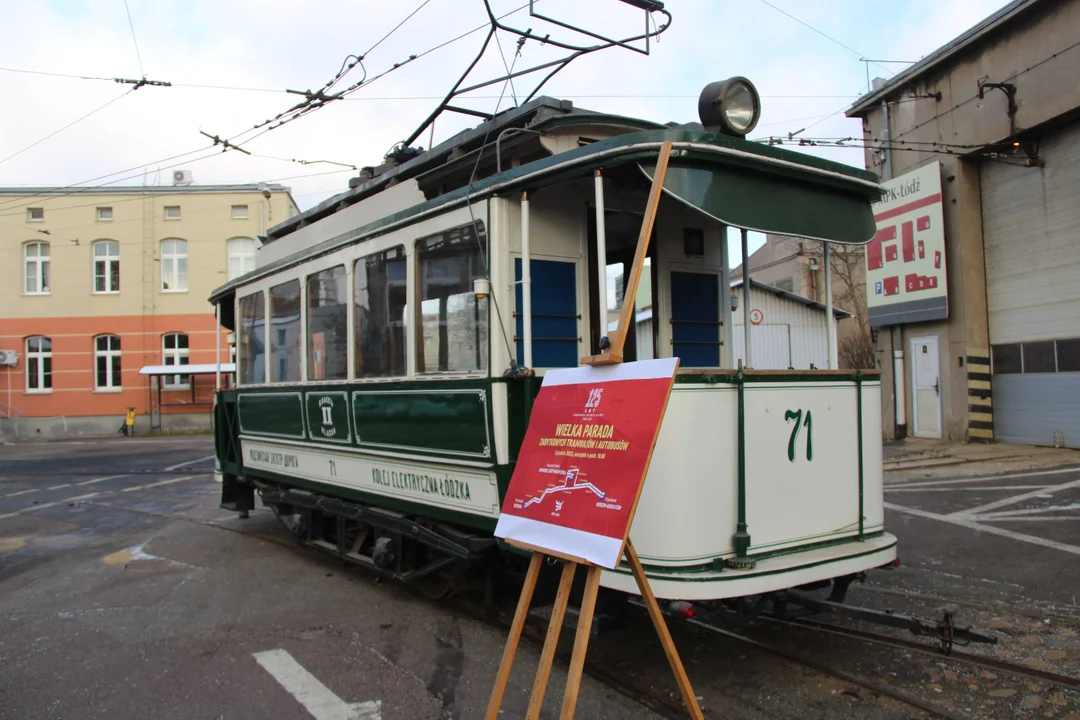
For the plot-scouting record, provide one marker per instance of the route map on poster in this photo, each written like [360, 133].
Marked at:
[583, 461]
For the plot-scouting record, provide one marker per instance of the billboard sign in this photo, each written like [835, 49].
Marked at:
[905, 262]
[584, 458]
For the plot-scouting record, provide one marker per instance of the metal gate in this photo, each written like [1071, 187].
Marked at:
[1031, 235]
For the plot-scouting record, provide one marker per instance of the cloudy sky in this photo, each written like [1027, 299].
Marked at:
[230, 62]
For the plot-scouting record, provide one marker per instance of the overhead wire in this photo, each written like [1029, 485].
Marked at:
[827, 37]
[73, 122]
[133, 39]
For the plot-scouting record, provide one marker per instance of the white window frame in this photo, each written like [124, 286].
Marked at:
[107, 262]
[172, 207]
[100, 214]
[241, 208]
[179, 356]
[112, 360]
[232, 254]
[37, 358]
[30, 214]
[170, 267]
[40, 262]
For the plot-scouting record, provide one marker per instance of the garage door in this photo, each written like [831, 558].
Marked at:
[1031, 231]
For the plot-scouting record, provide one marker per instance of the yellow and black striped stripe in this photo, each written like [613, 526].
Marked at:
[980, 397]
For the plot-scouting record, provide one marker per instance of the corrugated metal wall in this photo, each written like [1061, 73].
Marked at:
[1031, 235]
[791, 334]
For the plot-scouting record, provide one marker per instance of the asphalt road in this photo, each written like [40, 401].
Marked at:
[126, 592]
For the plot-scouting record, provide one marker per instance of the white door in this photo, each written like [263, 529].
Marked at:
[926, 387]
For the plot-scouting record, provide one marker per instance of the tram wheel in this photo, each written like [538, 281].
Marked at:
[437, 586]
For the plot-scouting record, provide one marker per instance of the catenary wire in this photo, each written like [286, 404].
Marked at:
[133, 39]
[827, 37]
[73, 122]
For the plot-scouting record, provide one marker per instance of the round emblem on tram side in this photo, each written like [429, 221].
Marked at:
[756, 316]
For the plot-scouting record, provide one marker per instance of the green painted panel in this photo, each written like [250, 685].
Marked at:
[758, 198]
[277, 414]
[454, 422]
[328, 416]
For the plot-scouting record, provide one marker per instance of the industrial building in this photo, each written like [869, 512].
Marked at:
[973, 281]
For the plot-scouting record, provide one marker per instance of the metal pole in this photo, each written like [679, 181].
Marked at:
[897, 336]
[526, 282]
[601, 253]
[829, 319]
[746, 299]
[217, 347]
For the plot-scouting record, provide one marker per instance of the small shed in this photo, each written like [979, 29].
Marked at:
[788, 331]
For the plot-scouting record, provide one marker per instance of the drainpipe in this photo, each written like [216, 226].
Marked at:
[526, 282]
[601, 253]
[746, 299]
[899, 388]
[217, 344]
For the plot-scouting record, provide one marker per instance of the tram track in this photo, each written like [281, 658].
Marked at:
[989, 663]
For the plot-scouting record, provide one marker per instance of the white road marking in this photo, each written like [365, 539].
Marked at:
[1028, 511]
[189, 462]
[960, 481]
[316, 698]
[955, 489]
[32, 508]
[57, 487]
[1031, 519]
[967, 522]
[100, 479]
[170, 481]
[1017, 498]
[20, 492]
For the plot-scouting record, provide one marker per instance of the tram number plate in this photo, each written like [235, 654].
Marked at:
[801, 421]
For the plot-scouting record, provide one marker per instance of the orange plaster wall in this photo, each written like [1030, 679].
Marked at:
[73, 364]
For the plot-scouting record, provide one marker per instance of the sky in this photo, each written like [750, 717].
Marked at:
[231, 61]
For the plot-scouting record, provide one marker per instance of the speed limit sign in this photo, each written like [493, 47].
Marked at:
[756, 316]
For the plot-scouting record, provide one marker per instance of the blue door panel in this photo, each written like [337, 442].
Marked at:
[554, 309]
[695, 319]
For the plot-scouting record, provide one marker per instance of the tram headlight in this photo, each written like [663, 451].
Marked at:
[731, 107]
[481, 288]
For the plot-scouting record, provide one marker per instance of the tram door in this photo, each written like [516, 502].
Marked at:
[622, 230]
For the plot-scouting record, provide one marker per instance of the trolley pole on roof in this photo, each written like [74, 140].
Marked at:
[746, 299]
[829, 319]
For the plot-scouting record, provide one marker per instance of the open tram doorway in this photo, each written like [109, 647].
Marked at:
[621, 232]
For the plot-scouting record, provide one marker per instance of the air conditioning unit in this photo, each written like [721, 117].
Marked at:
[8, 357]
[181, 177]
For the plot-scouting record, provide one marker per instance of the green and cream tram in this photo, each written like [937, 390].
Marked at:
[391, 340]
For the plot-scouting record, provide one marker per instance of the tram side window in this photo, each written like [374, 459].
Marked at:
[328, 326]
[252, 339]
[453, 322]
[285, 332]
[379, 293]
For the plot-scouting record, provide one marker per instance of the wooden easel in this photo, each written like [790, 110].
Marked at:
[581, 639]
[592, 579]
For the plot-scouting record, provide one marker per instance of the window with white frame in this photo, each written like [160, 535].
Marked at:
[106, 266]
[36, 276]
[35, 214]
[241, 256]
[107, 362]
[38, 364]
[174, 265]
[172, 212]
[104, 213]
[175, 352]
[239, 212]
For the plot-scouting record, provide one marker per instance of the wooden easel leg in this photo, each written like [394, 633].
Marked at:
[581, 643]
[661, 629]
[515, 635]
[536, 702]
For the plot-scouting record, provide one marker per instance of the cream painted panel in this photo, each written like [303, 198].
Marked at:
[688, 506]
[807, 488]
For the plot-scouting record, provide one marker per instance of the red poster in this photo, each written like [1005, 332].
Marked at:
[584, 458]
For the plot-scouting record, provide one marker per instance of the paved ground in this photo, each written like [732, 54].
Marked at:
[126, 593]
[112, 608]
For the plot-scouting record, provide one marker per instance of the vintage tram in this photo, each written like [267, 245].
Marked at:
[391, 340]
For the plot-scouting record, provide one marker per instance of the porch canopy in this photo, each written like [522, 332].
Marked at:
[206, 369]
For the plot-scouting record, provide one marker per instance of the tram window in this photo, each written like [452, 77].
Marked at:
[252, 339]
[285, 337]
[327, 325]
[453, 322]
[379, 293]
